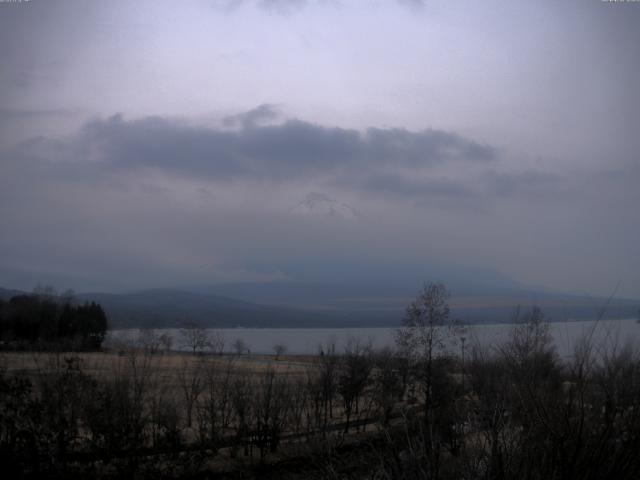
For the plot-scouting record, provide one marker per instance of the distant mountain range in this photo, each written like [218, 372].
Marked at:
[265, 305]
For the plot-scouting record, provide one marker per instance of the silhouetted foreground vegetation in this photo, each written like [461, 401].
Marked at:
[45, 320]
[513, 411]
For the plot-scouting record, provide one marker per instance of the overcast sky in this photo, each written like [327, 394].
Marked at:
[158, 143]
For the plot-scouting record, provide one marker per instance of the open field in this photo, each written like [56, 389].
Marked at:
[168, 364]
[209, 406]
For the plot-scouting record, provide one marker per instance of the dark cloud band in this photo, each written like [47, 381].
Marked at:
[293, 149]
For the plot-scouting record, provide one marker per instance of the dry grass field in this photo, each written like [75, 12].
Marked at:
[230, 411]
[168, 364]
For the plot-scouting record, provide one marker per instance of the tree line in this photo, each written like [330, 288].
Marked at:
[46, 320]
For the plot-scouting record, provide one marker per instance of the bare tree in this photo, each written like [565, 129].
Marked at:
[328, 379]
[194, 337]
[387, 383]
[353, 377]
[217, 342]
[166, 341]
[270, 407]
[241, 394]
[279, 349]
[192, 384]
[216, 409]
[530, 338]
[45, 291]
[426, 327]
[240, 346]
[149, 340]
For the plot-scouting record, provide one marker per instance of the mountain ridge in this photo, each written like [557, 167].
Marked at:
[173, 307]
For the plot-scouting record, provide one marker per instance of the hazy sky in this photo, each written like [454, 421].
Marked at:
[157, 143]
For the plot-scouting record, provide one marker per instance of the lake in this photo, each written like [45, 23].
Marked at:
[309, 340]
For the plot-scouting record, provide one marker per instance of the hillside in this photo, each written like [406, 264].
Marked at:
[174, 307]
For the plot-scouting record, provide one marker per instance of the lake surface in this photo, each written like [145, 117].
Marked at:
[310, 340]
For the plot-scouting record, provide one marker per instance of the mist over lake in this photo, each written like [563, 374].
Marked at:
[302, 341]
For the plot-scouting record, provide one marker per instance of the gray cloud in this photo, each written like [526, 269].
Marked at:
[282, 6]
[12, 114]
[434, 166]
[288, 7]
[226, 6]
[413, 4]
[445, 191]
[255, 116]
[284, 152]
[531, 181]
